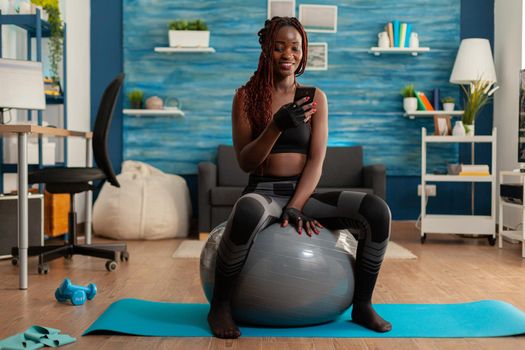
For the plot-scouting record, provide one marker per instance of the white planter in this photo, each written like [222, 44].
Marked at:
[449, 107]
[410, 104]
[469, 129]
[189, 38]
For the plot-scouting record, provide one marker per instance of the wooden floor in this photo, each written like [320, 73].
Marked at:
[448, 269]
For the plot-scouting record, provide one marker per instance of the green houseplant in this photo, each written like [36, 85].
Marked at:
[477, 96]
[136, 98]
[184, 33]
[409, 98]
[57, 34]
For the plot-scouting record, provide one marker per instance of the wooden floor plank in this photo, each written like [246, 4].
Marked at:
[449, 269]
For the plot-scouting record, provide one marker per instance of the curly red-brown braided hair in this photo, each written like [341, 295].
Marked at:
[258, 90]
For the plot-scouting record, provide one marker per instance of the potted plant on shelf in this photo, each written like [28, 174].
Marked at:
[448, 103]
[57, 34]
[478, 95]
[409, 98]
[135, 98]
[183, 33]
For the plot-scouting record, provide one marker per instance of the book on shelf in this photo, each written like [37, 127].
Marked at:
[420, 104]
[390, 31]
[407, 35]
[436, 98]
[474, 170]
[424, 100]
[52, 87]
[402, 34]
[395, 24]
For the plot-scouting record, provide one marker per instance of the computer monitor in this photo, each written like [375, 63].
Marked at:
[21, 85]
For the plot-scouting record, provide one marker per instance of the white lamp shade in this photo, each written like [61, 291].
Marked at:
[473, 61]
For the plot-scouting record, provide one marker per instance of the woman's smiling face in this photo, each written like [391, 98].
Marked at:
[287, 53]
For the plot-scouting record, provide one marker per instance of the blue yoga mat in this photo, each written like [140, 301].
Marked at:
[488, 318]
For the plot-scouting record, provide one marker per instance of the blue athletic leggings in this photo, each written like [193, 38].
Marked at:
[365, 215]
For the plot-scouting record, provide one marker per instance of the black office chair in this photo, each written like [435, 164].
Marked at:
[76, 180]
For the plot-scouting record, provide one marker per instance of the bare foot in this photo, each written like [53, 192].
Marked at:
[221, 321]
[365, 315]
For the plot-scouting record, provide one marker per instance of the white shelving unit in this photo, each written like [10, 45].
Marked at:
[185, 49]
[458, 224]
[412, 115]
[513, 234]
[171, 112]
[378, 51]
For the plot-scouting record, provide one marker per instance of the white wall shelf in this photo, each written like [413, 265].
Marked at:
[185, 49]
[412, 115]
[171, 112]
[461, 139]
[513, 234]
[458, 178]
[459, 224]
[378, 51]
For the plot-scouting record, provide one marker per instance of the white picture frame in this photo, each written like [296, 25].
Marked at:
[281, 8]
[318, 18]
[317, 56]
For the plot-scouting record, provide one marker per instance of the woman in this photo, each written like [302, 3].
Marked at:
[282, 144]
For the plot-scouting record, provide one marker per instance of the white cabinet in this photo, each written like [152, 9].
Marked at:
[462, 224]
[517, 177]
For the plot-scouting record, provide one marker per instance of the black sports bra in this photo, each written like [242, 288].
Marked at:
[294, 140]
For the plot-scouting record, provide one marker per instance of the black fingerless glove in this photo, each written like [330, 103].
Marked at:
[288, 116]
[294, 215]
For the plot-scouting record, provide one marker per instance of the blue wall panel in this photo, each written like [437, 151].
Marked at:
[363, 90]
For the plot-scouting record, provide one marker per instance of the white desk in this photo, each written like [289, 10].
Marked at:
[22, 131]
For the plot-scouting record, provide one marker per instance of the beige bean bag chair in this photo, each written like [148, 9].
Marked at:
[149, 204]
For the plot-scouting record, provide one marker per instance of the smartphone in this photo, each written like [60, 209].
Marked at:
[303, 91]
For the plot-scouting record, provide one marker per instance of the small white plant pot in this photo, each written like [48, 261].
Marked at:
[469, 129]
[189, 38]
[410, 104]
[449, 107]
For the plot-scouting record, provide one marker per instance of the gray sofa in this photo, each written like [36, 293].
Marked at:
[221, 185]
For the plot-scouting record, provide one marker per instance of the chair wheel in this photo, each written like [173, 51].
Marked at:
[492, 240]
[14, 261]
[43, 269]
[423, 238]
[124, 256]
[68, 257]
[111, 265]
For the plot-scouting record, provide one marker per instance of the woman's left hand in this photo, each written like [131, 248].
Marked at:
[300, 220]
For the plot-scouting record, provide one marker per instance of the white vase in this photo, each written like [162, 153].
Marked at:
[459, 129]
[410, 104]
[469, 129]
[413, 42]
[448, 106]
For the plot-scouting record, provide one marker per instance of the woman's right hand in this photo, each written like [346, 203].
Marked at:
[293, 114]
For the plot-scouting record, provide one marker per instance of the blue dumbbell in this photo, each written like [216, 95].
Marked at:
[77, 297]
[77, 294]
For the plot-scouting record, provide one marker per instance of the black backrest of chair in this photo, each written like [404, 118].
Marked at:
[229, 171]
[343, 167]
[101, 130]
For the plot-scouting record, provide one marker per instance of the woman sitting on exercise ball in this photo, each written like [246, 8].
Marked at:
[282, 144]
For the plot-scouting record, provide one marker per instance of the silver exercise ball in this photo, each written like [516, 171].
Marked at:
[288, 279]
